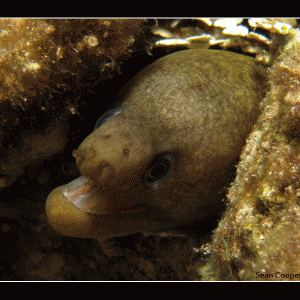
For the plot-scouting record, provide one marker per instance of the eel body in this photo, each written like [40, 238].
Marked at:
[162, 154]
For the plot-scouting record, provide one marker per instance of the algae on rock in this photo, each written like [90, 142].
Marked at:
[259, 235]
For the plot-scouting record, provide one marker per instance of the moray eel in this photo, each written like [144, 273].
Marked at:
[162, 154]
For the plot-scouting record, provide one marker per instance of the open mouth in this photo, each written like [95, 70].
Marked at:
[88, 198]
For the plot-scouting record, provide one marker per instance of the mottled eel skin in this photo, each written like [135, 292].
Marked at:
[160, 157]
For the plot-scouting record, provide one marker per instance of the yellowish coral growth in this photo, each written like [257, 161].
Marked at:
[259, 235]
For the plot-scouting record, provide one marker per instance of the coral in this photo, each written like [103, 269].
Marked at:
[48, 69]
[253, 36]
[36, 52]
[24, 58]
[258, 237]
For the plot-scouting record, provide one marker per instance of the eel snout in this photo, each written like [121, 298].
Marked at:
[111, 163]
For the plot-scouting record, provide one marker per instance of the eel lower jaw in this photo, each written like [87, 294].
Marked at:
[65, 217]
[72, 217]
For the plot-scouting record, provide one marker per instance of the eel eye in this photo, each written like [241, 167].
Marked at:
[162, 166]
[105, 117]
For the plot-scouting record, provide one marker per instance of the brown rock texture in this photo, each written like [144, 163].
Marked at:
[259, 235]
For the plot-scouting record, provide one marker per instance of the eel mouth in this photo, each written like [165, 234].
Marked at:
[92, 199]
[64, 214]
[71, 211]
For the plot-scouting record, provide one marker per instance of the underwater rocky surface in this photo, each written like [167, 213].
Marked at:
[49, 104]
[258, 236]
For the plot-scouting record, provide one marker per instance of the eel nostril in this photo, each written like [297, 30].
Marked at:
[85, 153]
[81, 155]
[75, 153]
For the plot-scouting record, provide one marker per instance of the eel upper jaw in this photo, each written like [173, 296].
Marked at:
[88, 198]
